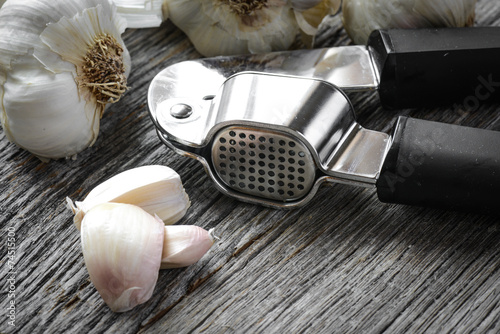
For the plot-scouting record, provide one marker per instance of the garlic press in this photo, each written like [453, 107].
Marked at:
[272, 138]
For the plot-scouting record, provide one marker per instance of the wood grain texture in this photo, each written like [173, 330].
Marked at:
[345, 263]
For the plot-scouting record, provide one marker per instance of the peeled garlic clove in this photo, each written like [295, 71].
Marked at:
[141, 13]
[61, 63]
[185, 245]
[122, 247]
[361, 17]
[156, 189]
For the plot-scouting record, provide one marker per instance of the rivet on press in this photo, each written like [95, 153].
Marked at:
[181, 111]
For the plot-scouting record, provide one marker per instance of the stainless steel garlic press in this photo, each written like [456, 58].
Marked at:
[272, 131]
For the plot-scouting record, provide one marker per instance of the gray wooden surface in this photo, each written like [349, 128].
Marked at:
[345, 263]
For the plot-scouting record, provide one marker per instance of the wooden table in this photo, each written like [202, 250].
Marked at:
[344, 263]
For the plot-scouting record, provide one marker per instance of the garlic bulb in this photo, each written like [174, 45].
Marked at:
[361, 17]
[156, 189]
[61, 63]
[223, 27]
[141, 13]
[124, 246]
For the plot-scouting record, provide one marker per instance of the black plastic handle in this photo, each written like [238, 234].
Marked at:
[442, 165]
[435, 67]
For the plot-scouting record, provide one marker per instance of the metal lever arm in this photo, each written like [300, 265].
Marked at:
[432, 67]
[442, 165]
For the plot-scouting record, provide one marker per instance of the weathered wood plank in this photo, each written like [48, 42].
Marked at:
[345, 263]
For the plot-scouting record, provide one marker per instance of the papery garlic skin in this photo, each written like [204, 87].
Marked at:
[185, 245]
[156, 189]
[141, 13]
[225, 27]
[361, 17]
[48, 104]
[122, 247]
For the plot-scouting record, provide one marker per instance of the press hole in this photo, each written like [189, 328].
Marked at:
[232, 133]
[281, 192]
[302, 162]
[208, 97]
[271, 173]
[281, 167]
[292, 144]
[242, 185]
[281, 159]
[232, 142]
[291, 185]
[272, 149]
[290, 193]
[261, 180]
[261, 163]
[242, 144]
[232, 150]
[251, 153]
[301, 187]
[271, 140]
[241, 176]
[301, 179]
[242, 169]
[222, 165]
[232, 175]
[291, 153]
[262, 147]
[222, 172]
[223, 148]
[262, 172]
[291, 177]
[270, 189]
[232, 183]
[251, 162]
[242, 136]
[271, 182]
[281, 183]
[291, 160]
[282, 142]
[252, 145]
[242, 160]
[251, 178]
[291, 169]
[281, 175]
[301, 171]
[222, 156]
[251, 170]
[262, 139]
[261, 188]
[242, 152]
[232, 158]
[302, 154]
[262, 156]
[272, 166]
[251, 186]
[232, 166]
[251, 137]
[222, 140]
[271, 157]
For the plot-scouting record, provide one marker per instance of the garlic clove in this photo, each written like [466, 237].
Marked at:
[361, 17]
[156, 189]
[185, 245]
[45, 106]
[122, 248]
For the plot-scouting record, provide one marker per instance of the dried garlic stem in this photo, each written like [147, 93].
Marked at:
[244, 7]
[103, 71]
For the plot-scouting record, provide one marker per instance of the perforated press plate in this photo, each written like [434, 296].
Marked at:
[262, 163]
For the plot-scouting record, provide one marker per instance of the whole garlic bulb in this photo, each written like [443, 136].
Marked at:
[361, 17]
[61, 63]
[223, 27]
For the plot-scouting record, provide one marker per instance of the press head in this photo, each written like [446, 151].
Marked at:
[265, 138]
